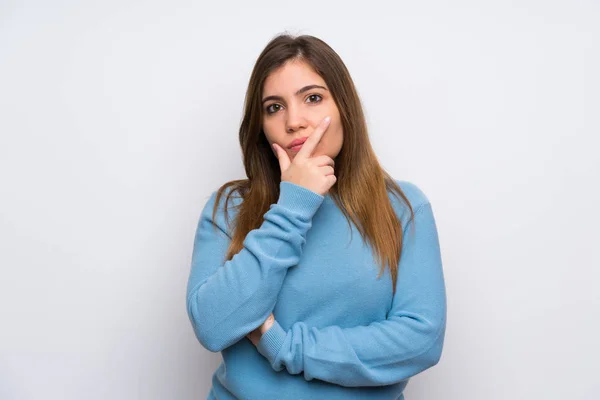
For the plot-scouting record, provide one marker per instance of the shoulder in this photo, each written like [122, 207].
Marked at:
[414, 193]
[228, 196]
[227, 208]
[416, 197]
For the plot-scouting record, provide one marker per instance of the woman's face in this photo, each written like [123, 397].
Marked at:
[293, 107]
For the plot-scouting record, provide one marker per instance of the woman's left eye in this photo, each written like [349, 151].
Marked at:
[315, 95]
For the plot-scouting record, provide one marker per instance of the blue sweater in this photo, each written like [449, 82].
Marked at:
[338, 333]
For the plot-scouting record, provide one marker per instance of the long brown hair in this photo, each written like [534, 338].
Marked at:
[361, 189]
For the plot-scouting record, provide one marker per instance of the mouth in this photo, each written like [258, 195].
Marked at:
[297, 144]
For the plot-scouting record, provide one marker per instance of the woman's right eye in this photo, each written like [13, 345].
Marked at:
[270, 110]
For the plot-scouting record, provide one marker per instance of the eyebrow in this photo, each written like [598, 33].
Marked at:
[299, 92]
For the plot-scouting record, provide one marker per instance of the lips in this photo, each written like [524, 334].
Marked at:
[297, 142]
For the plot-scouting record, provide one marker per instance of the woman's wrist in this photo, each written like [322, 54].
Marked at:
[267, 324]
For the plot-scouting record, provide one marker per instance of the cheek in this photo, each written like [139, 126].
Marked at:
[339, 138]
[271, 126]
[338, 132]
[274, 132]
[267, 131]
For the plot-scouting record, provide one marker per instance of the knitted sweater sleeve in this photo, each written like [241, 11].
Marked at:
[227, 300]
[407, 342]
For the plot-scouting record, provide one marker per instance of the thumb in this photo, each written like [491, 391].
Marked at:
[284, 160]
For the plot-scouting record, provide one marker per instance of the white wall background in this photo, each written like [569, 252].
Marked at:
[119, 118]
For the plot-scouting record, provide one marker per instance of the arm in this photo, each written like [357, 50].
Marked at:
[225, 301]
[407, 342]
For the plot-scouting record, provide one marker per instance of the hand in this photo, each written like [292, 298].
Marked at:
[313, 173]
[256, 334]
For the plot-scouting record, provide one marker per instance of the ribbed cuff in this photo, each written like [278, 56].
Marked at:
[299, 199]
[271, 342]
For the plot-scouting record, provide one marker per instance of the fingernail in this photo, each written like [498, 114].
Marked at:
[327, 120]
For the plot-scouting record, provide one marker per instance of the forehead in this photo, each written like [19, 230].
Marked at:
[290, 77]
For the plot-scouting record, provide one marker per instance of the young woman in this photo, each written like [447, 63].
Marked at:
[319, 276]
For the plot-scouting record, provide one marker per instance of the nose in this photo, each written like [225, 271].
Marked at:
[295, 120]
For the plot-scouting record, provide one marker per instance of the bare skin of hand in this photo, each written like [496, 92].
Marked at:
[315, 173]
[256, 334]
